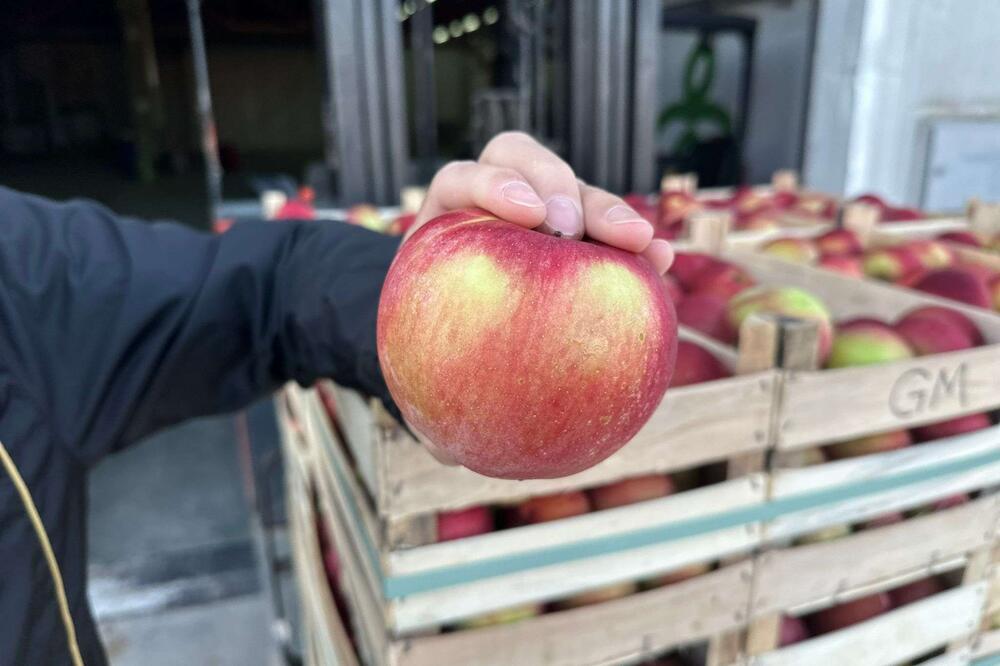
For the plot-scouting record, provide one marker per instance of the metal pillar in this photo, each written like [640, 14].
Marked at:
[613, 93]
[364, 95]
[206, 120]
[425, 92]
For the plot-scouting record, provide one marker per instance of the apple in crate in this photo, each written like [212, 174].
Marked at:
[630, 491]
[464, 523]
[695, 365]
[678, 575]
[843, 264]
[797, 250]
[932, 254]
[994, 286]
[952, 427]
[708, 314]
[785, 301]
[793, 630]
[866, 342]
[962, 238]
[915, 591]
[600, 595]
[831, 533]
[518, 354]
[838, 243]
[872, 200]
[884, 520]
[959, 283]
[849, 613]
[933, 330]
[688, 266]
[902, 214]
[891, 263]
[863, 446]
[505, 616]
[545, 508]
[723, 280]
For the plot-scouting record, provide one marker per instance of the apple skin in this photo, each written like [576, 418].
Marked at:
[891, 263]
[830, 533]
[839, 242]
[763, 219]
[546, 508]
[866, 342]
[597, 596]
[958, 283]
[673, 289]
[793, 630]
[863, 446]
[927, 332]
[478, 314]
[818, 205]
[962, 238]
[932, 254]
[843, 264]
[797, 250]
[695, 365]
[872, 200]
[688, 265]
[464, 523]
[630, 491]
[942, 504]
[952, 427]
[915, 591]
[678, 575]
[884, 520]
[505, 616]
[994, 287]
[708, 314]
[675, 207]
[787, 301]
[723, 280]
[849, 613]
[954, 317]
[902, 214]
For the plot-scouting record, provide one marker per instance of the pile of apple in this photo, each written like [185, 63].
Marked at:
[927, 265]
[888, 212]
[991, 243]
[368, 216]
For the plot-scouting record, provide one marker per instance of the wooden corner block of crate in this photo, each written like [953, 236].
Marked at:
[785, 180]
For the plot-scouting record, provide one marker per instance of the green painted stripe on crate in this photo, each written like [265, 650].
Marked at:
[992, 660]
[395, 587]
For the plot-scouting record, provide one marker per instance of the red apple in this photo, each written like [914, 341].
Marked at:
[952, 427]
[402, 224]
[927, 332]
[366, 216]
[884, 520]
[890, 263]
[953, 316]
[725, 281]
[866, 342]
[902, 214]
[912, 278]
[464, 523]
[872, 200]
[915, 591]
[957, 283]
[844, 264]
[477, 314]
[793, 630]
[763, 219]
[679, 575]
[839, 242]
[784, 199]
[942, 504]
[747, 200]
[797, 250]
[675, 207]
[708, 314]
[984, 273]
[863, 446]
[598, 596]
[674, 290]
[695, 365]
[849, 613]
[786, 301]
[962, 238]
[546, 508]
[820, 205]
[931, 253]
[630, 491]
[994, 287]
[688, 266]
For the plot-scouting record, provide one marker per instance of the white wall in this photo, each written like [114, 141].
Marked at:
[881, 67]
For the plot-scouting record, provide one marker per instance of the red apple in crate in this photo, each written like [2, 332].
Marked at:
[849, 613]
[673, 289]
[764, 219]
[891, 263]
[797, 250]
[708, 314]
[505, 616]
[942, 504]
[688, 266]
[818, 205]
[934, 330]
[675, 207]
[958, 283]
[839, 242]
[695, 365]
[843, 264]
[902, 214]
[863, 446]
[785, 301]
[915, 591]
[994, 287]
[402, 224]
[962, 238]
[630, 491]
[984, 273]
[793, 630]
[784, 199]
[464, 523]
[600, 595]
[912, 278]
[366, 216]
[522, 355]
[747, 200]
[866, 342]
[872, 200]
[884, 520]
[547, 508]
[932, 254]
[952, 427]
[679, 575]
[724, 281]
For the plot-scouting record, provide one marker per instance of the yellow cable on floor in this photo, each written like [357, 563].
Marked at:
[43, 540]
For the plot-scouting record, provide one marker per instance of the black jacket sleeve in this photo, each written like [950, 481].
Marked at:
[118, 327]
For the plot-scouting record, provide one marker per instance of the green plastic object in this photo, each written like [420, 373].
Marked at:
[695, 109]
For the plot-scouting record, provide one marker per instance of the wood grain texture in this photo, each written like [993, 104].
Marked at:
[617, 631]
[987, 644]
[891, 638]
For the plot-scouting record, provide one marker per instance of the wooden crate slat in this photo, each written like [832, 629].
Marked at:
[448, 604]
[794, 481]
[987, 645]
[358, 424]
[888, 639]
[956, 658]
[694, 425]
[869, 506]
[610, 632]
[701, 502]
[831, 569]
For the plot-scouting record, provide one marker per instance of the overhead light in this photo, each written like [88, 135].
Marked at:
[491, 15]
[470, 23]
[410, 7]
[401, 14]
[440, 35]
[455, 28]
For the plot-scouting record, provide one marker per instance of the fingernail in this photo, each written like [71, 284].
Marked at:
[521, 194]
[563, 218]
[624, 215]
